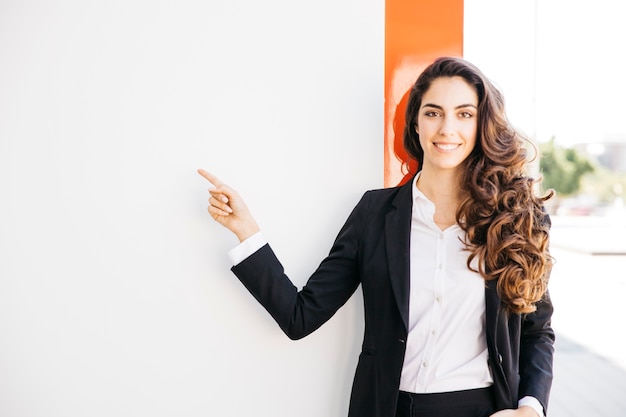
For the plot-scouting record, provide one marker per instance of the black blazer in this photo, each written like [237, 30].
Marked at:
[372, 249]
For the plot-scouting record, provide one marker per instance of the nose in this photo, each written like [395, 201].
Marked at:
[447, 126]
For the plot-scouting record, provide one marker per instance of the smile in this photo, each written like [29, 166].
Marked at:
[447, 146]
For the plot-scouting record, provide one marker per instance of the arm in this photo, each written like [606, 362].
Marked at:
[298, 313]
[535, 362]
[537, 344]
[536, 353]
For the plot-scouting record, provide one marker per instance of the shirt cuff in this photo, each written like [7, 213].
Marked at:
[247, 248]
[533, 403]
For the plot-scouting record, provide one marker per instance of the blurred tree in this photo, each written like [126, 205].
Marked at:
[607, 185]
[562, 168]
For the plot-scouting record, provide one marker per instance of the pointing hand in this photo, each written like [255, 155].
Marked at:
[228, 208]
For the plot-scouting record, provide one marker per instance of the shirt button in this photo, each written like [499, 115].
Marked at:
[438, 299]
[425, 365]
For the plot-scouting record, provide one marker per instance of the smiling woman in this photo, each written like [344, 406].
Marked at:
[453, 265]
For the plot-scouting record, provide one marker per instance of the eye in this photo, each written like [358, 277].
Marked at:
[466, 114]
[431, 113]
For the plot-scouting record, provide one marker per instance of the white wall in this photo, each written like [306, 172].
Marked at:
[115, 291]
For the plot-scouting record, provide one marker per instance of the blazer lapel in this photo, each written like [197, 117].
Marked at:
[397, 242]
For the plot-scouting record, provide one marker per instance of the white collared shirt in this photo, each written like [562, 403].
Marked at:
[446, 347]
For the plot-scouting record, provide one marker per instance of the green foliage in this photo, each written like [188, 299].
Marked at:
[562, 168]
[605, 185]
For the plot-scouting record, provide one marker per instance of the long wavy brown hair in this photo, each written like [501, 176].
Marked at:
[506, 227]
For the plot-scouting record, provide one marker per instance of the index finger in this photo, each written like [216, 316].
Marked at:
[210, 177]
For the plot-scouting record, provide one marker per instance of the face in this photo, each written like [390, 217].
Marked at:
[447, 123]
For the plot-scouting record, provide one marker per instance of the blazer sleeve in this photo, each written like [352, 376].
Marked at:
[537, 347]
[299, 313]
[536, 353]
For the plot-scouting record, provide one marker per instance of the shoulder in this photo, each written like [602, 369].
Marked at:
[383, 199]
[390, 194]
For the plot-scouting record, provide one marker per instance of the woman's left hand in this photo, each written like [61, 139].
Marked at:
[523, 411]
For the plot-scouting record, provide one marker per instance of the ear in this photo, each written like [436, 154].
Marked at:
[416, 129]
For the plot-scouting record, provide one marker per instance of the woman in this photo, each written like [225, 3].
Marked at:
[453, 265]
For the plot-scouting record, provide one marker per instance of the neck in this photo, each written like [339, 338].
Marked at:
[440, 187]
[444, 191]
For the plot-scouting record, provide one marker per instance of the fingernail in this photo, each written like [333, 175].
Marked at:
[225, 199]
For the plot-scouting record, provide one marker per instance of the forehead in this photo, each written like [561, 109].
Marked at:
[452, 91]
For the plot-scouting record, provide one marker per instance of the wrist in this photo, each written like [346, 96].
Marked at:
[245, 232]
[531, 402]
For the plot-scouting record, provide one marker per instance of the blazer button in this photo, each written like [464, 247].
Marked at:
[401, 340]
[500, 358]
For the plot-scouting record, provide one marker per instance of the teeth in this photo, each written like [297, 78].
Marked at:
[446, 146]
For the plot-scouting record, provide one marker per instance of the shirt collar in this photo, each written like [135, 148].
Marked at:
[417, 194]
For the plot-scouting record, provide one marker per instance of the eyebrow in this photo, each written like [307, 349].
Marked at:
[461, 106]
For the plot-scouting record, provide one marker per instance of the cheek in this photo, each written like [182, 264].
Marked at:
[471, 133]
[425, 128]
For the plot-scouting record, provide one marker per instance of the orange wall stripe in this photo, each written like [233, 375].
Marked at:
[416, 32]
